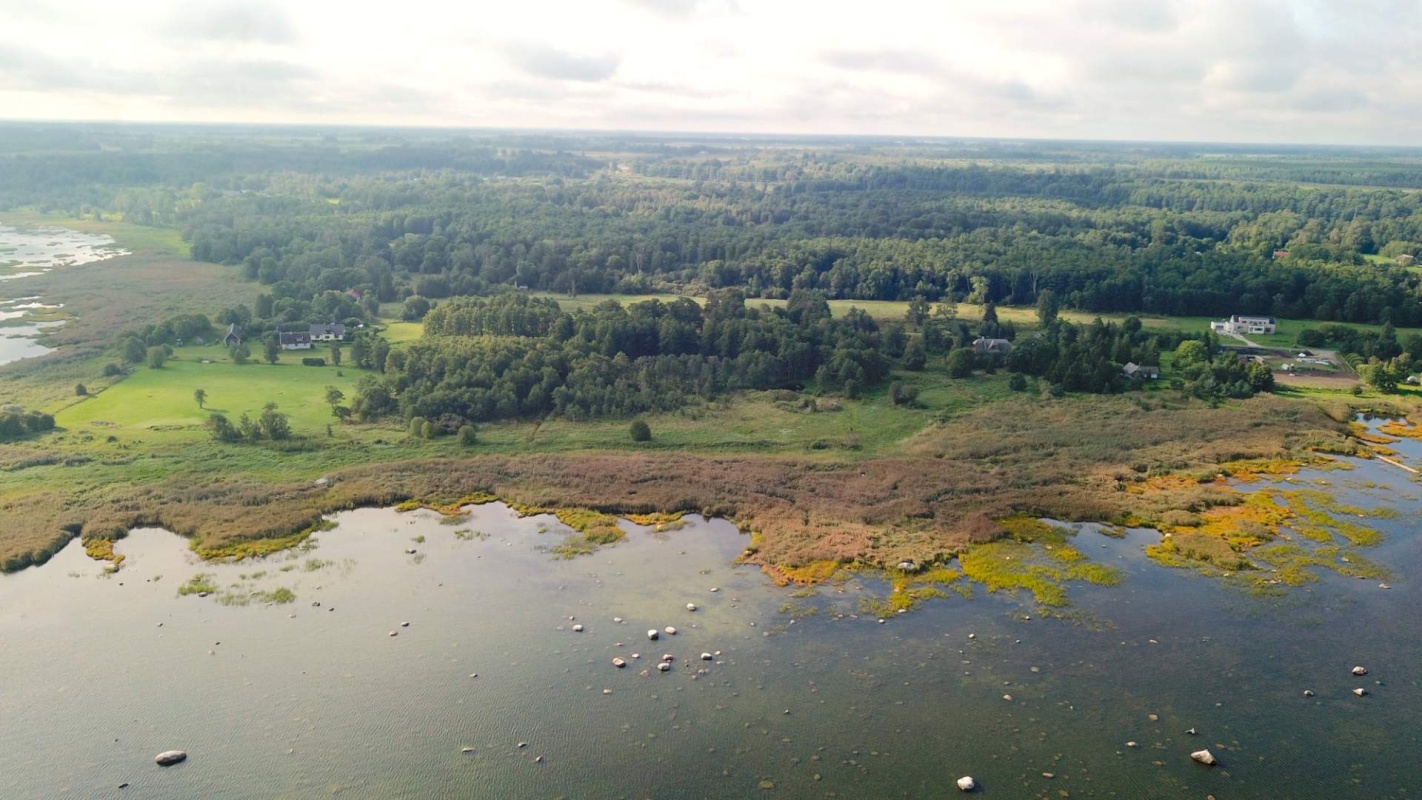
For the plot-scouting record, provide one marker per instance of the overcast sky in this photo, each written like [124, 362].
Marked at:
[1341, 71]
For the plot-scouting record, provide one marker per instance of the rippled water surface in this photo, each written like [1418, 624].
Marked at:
[804, 699]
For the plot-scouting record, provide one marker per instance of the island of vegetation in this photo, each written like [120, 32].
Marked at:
[868, 354]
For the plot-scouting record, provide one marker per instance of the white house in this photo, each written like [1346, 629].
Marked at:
[298, 340]
[1241, 325]
[327, 333]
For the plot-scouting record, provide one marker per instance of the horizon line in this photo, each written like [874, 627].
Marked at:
[713, 134]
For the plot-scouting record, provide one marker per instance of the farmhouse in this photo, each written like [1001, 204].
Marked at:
[327, 333]
[1139, 372]
[233, 336]
[1239, 325]
[295, 340]
[991, 347]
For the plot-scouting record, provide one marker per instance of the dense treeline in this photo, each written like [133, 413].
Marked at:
[512, 356]
[1103, 241]
[1169, 229]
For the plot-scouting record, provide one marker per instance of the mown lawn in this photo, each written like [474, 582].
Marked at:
[158, 404]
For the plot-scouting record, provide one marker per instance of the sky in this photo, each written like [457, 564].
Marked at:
[1278, 71]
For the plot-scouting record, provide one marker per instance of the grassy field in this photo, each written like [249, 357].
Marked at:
[152, 405]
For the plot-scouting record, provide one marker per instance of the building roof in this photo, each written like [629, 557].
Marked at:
[321, 329]
[294, 337]
[234, 330]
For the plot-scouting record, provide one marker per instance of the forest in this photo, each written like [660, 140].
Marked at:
[1326, 234]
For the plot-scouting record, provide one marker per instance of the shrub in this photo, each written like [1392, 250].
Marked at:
[467, 436]
[313, 362]
[417, 426]
[1018, 382]
[81, 390]
[112, 370]
[427, 430]
[641, 431]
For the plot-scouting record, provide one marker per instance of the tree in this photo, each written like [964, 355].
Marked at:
[240, 353]
[427, 430]
[336, 355]
[902, 394]
[81, 390]
[416, 307]
[1048, 307]
[200, 395]
[915, 355]
[917, 311]
[417, 426]
[1190, 353]
[334, 396]
[1018, 382]
[960, 363]
[271, 349]
[467, 435]
[222, 430]
[274, 424]
[640, 431]
[134, 350]
[157, 357]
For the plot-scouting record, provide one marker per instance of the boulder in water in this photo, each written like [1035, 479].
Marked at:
[168, 758]
[967, 784]
[653, 635]
[1360, 671]
[1204, 757]
[1360, 691]
[619, 663]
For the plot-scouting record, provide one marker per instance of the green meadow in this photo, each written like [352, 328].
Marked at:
[157, 404]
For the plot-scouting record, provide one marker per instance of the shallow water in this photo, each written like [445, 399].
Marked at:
[25, 253]
[102, 672]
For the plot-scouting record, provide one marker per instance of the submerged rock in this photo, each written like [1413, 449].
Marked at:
[670, 630]
[967, 784]
[665, 666]
[1204, 757]
[1308, 693]
[168, 758]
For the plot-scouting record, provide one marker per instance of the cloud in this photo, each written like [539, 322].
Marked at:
[222, 82]
[673, 9]
[232, 22]
[1331, 101]
[1141, 16]
[542, 61]
[24, 68]
[886, 60]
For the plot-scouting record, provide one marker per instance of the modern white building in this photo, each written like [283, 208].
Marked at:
[1242, 325]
